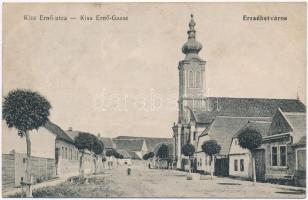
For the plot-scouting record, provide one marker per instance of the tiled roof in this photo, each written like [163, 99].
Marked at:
[246, 107]
[107, 142]
[298, 123]
[129, 144]
[262, 126]
[150, 141]
[224, 128]
[72, 134]
[133, 155]
[60, 134]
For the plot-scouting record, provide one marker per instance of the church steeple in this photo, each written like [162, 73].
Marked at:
[192, 47]
[191, 76]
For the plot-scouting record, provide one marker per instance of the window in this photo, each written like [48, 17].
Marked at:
[301, 159]
[205, 161]
[235, 142]
[242, 165]
[65, 152]
[191, 79]
[283, 156]
[200, 162]
[198, 79]
[235, 165]
[24, 160]
[195, 136]
[274, 156]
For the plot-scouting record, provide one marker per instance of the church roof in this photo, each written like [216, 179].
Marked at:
[246, 107]
[223, 128]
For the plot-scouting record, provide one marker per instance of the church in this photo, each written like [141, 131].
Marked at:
[201, 118]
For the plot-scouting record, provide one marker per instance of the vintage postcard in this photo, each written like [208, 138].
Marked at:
[164, 100]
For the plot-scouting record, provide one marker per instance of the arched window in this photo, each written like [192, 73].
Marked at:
[198, 80]
[191, 79]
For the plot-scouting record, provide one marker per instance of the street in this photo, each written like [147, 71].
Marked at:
[166, 183]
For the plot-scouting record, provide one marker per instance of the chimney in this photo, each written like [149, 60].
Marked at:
[99, 135]
[70, 129]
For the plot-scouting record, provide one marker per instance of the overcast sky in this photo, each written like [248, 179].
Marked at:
[121, 77]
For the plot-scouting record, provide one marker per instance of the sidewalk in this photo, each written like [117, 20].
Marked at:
[16, 191]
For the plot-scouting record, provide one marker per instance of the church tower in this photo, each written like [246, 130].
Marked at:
[191, 76]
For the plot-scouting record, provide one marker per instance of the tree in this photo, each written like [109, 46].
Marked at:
[98, 149]
[118, 155]
[211, 148]
[188, 150]
[109, 154]
[148, 156]
[250, 138]
[25, 110]
[84, 141]
[162, 153]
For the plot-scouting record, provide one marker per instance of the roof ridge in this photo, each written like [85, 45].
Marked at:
[261, 98]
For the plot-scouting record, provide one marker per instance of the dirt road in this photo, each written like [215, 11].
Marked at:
[166, 183]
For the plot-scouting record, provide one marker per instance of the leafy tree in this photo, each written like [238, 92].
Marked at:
[162, 153]
[25, 110]
[250, 138]
[148, 156]
[118, 155]
[110, 153]
[84, 141]
[98, 148]
[188, 150]
[211, 148]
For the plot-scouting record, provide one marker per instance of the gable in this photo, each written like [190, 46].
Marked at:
[279, 124]
[235, 148]
[223, 129]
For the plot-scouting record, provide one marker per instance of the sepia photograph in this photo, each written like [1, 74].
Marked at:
[154, 100]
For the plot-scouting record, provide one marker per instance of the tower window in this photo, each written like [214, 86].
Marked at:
[191, 79]
[198, 84]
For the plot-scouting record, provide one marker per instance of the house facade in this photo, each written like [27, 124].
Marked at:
[283, 148]
[201, 118]
[239, 158]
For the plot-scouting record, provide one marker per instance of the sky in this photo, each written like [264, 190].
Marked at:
[121, 77]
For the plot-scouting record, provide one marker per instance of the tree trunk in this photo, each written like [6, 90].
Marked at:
[189, 165]
[28, 166]
[211, 167]
[81, 166]
[95, 165]
[253, 170]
